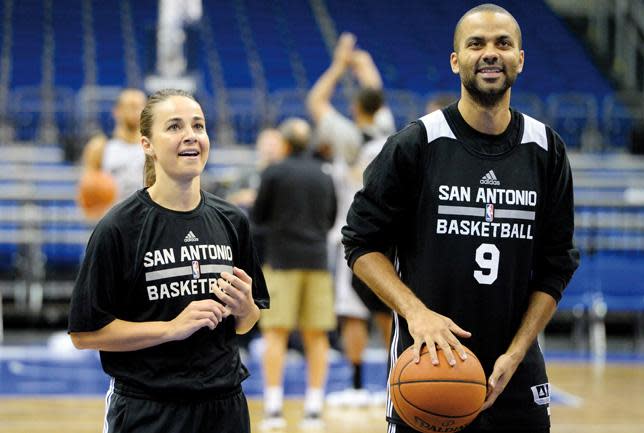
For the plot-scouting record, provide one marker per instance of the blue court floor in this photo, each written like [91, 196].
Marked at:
[54, 368]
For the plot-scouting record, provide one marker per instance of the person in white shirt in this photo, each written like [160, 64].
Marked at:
[121, 156]
[354, 142]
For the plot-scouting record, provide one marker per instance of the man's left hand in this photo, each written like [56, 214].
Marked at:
[504, 369]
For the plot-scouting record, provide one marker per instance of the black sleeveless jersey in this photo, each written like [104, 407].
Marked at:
[147, 263]
[478, 223]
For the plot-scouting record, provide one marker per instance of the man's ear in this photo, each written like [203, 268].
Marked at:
[453, 61]
[521, 61]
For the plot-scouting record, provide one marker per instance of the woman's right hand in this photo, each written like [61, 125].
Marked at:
[198, 314]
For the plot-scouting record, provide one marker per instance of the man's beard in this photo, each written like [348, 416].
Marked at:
[487, 98]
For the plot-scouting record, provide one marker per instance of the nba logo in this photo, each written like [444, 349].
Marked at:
[196, 270]
[489, 212]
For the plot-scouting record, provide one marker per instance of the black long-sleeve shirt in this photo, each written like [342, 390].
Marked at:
[147, 263]
[478, 222]
[296, 203]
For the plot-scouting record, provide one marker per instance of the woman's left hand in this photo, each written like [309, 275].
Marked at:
[235, 291]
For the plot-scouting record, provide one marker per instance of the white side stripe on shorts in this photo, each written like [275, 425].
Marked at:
[393, 348]
[394, 356]
[108, 400]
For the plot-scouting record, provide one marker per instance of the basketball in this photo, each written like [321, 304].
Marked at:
[437, 398]
[96, 193]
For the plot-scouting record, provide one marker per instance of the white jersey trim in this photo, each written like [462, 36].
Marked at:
[436, 126]
[534, 132]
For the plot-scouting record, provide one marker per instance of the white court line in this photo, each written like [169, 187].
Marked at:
[566, 398]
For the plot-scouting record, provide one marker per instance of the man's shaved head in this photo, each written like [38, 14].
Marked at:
[487, 7]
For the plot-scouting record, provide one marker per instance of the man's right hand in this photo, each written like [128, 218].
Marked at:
[438, 332]
[425, 326]
[198, 314]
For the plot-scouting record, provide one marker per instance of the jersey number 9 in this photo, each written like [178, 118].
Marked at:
[487, 257]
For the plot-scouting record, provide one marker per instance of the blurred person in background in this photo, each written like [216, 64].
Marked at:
[269, 149]
[438, 101]
[296, 204]
[353, 143]
[169, 280]
[371, 118]
[120, 155]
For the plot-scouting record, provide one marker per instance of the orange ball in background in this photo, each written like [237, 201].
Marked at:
[96, 193]
[431, 398]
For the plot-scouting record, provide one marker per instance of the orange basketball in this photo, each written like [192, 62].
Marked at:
[437, 398]
[96, 193]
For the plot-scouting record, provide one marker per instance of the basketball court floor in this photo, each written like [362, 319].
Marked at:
[45, 387]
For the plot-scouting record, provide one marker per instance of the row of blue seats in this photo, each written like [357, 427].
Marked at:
[286, 40]
[572, 115]
[615, 279]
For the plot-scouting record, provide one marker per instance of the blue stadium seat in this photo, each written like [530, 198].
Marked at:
[228, 40]
[248, 113]
[272, 43]
[583, 289]
[405, 105]
[68, 43]
[8, 252]
[286, 103]
[570, 114]
[620, 114]
[622, 281]
[583, 301]
[530, 104]
[28, 20]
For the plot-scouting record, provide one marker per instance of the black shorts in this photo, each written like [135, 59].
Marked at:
[373, 303]
[228, 414]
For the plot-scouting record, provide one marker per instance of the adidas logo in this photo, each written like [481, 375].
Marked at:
[490, 179]
[190, 237]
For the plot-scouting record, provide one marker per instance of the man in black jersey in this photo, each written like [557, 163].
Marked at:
[477, 199]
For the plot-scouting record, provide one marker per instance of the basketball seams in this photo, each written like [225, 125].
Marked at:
[441, 381]
[436, 413]
[399, 392]
[394, 395]
[403, 367]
